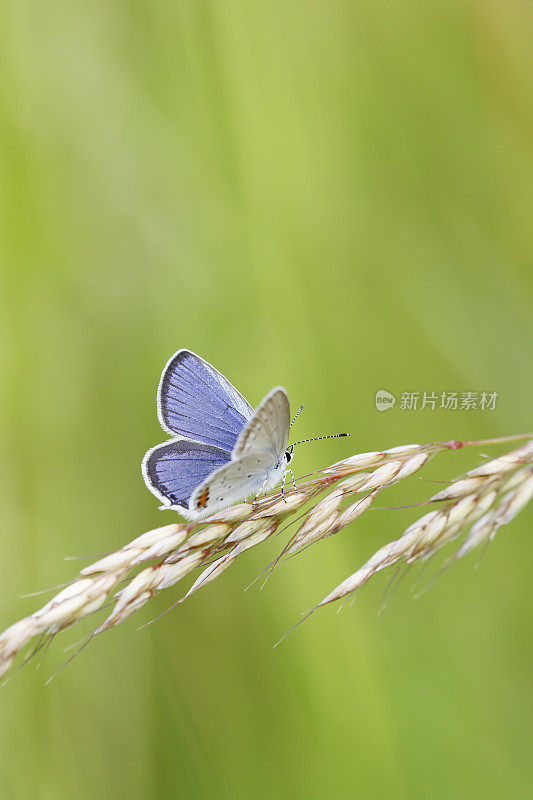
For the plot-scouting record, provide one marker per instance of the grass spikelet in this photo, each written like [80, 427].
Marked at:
[475, 505]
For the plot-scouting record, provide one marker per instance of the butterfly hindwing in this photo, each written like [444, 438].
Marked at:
[233, 482]
[196, 401]
[173, 470]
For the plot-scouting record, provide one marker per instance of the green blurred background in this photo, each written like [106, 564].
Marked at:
[335, 196]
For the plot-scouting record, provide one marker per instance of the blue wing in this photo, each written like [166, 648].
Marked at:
[195, 400]
[173, 470]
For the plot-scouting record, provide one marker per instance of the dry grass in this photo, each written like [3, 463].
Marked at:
[475, 506]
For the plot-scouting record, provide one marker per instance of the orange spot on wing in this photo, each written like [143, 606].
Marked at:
[201, 502]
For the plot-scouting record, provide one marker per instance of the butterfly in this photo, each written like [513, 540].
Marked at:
[222, 451]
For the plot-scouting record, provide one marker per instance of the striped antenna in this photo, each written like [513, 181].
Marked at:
[296, 416]
[316, 438]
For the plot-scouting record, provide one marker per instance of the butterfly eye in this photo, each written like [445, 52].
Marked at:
[288, 456]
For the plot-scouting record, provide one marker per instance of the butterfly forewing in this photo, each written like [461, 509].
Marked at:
[268, 430]
[173, 470]
[196, 401]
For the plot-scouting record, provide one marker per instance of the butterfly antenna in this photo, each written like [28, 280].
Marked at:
[317, 438]
[296, 416]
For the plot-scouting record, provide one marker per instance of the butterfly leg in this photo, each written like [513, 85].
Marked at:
[283, 482]
[292, 478]
[258, 494]
[283, 486]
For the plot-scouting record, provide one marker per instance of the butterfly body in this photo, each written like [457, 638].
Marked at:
[222, 451]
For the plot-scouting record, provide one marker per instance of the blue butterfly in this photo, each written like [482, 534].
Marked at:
[222, 451]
